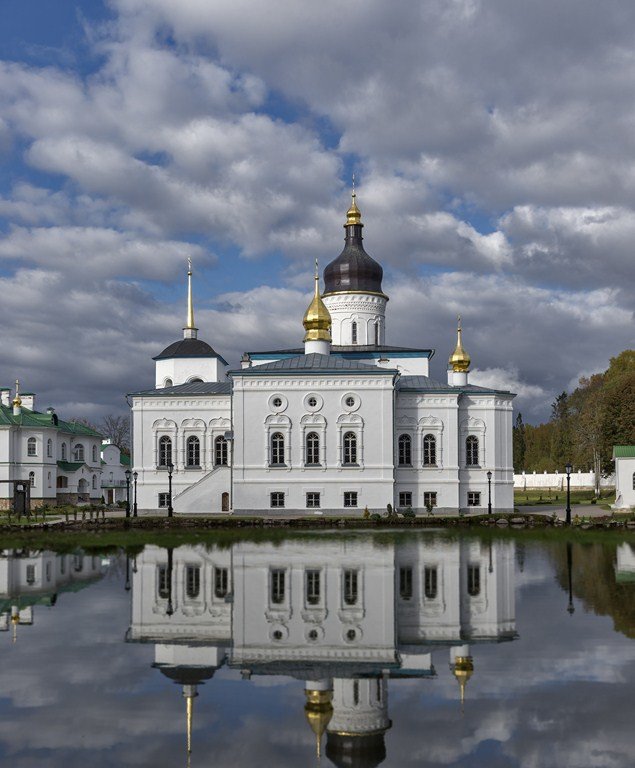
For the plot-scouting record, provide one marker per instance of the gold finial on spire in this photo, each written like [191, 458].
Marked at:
[317, 318]
[459, 360]
[463, 671]
[353, 215]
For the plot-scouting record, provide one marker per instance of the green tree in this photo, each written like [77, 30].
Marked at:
[519, 443]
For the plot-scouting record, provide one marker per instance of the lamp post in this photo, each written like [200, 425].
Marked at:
[127, 585]
[169, 609]
[570, 607]
[127, 473]
[135, 475]
[170, 470]
[489, 493]
[568, 469]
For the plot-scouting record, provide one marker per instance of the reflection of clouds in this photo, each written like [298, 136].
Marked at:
[73, 692]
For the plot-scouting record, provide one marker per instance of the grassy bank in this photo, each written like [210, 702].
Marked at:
[559, 498]
[224, 531]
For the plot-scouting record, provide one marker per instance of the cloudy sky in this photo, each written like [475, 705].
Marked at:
[493, 142]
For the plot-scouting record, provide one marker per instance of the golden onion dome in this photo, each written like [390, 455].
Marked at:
[17, 400]
[317, 318]
[318, 711]
[353, 215]
[463, 671]
[459, 360]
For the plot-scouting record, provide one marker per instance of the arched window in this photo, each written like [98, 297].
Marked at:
[31, 447]
[312, 449]
[471, 451]
[94, 454]
[78, 452]
[165, 451]
[167, 383]
[94, 482]
[193, 452]
[32, 479]
[634, 481]
[350, 448]
[377, 333]
[63, 451]
[49, 479]
[220, 451]
[49, 448]
[405, 451]
[429, 451]
[192, 581]
[277, 449]
[353, 333]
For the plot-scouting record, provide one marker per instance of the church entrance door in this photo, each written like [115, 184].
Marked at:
[225, 502]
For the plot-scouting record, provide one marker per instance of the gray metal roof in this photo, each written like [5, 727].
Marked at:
[426, 384]
[360, 349]
[189, 348]
[312, 362]
[192, 388]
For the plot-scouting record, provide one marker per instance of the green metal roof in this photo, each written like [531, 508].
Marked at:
[70, 466]
[124, 459]
[624, 451]
[28, 418]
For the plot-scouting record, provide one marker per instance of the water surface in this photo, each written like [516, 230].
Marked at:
[357, 650]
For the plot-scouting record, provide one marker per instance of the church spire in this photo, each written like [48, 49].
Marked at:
[353, 215]
[190, 331]
[459, 362]
[189, 694]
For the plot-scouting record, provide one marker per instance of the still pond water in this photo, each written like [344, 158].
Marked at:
[358, 650]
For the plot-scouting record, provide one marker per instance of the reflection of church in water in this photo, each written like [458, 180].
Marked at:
[342, 615]
[29, 578]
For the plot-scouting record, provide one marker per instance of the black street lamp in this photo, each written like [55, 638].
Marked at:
[489, 493]
[169, 609]
[570, 607]
[568, 469]
[135, 475]
[127, 585]
[170, 470]
[127, 473]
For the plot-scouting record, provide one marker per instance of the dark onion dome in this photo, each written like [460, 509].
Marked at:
[356, 750]
[187, 675]
[188, 348]
[353, 270]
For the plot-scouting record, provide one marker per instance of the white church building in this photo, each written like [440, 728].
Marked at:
[344, 423]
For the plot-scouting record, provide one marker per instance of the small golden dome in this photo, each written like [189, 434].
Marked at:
[459, 360]
[353, 215]
[318, 711]
[463, 671]
[317, 318]
[17, 399]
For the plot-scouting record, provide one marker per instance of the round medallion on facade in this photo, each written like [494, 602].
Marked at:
[313, 402]
[352, 635]
[313, 634]
[351, 401]
[278, 403]
[279, 632]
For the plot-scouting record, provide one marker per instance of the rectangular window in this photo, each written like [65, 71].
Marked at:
[350, 498]
[429, 499]
[350, 587]
[62, 565]
[277, 586]
[276, 500]
[164, 499]
[405, 498]
[430, 583]
[312, 587]
[192, 581]
[312, 500]
[473, 580]
[163, 588]
[473, 498]
[405, 583]
[30, 574]
[220, 582]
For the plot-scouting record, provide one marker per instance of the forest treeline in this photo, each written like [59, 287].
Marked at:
[584, 425]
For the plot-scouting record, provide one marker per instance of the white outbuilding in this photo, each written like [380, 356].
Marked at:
[624, 456]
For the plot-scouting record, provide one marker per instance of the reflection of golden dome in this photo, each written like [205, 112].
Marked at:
[463, 670]
[353, 215]
[318, 711]
[317, 318]
[15, 619]
[459, 359]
